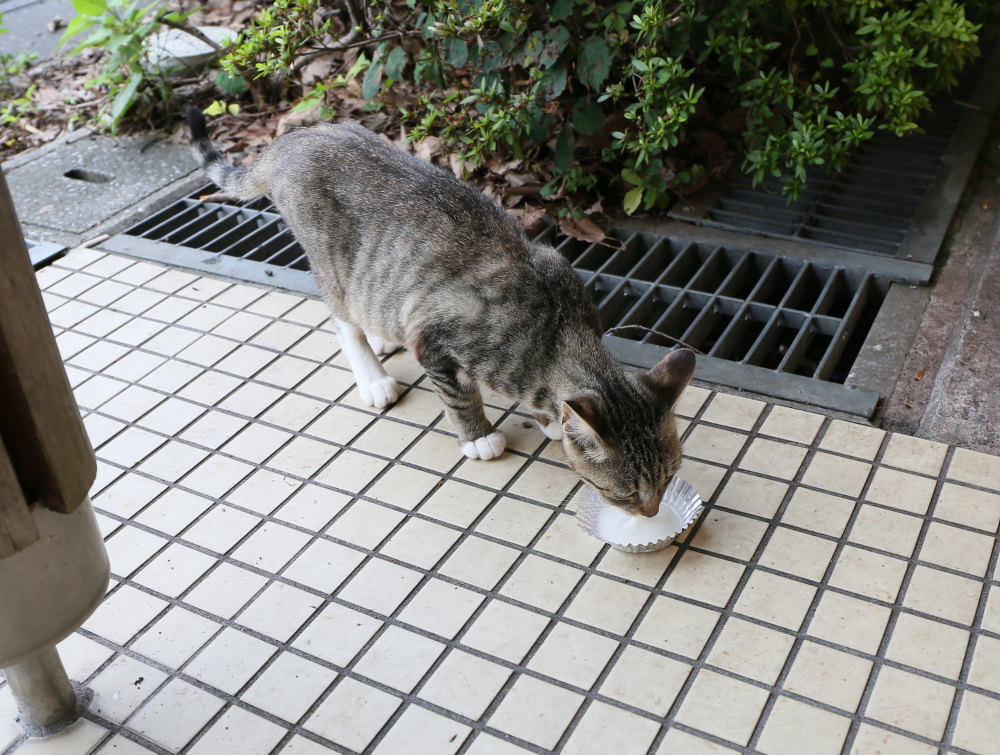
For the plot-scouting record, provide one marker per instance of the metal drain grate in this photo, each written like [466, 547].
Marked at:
[895, 197]
[779, 326]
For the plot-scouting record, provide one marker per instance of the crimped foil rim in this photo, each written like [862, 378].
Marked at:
[680, 496]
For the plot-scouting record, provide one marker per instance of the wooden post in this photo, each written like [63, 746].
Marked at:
[45, 456]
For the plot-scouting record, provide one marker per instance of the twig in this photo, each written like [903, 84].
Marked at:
[192, 31]
[612, 331]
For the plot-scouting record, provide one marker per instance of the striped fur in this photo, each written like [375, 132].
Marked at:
[409, 254]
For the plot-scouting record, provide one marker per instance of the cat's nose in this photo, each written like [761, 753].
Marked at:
[650, 508]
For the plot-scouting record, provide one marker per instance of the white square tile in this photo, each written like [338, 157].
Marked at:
[337, 634]
[129, 446]
[365, 524]
[90, 394]
[514, 521]
[279, 611]
[216, 476]
[722, 706]
[174, 638]
[213, 429]
[541, 582]
[312, 507]
[536, 711]
[352, 714]
[175, 714]
[225, 591]
[263, 491]
[607, 605]
[606, 728]
[419, 730]
[81, 656]
[229, 660]
[171, 416]
[465, 684]
[573, 655]
[174, 570]
[289, 686]
[250, 399]
[122, 687]
[505, 631]
[452, 501]
[287, 372]
[221, 528]
[209, 388]
[704, 577]
[645, 680]
[293, 412]
[324, 565]
[131, 547]
[239, 731]
[829, 676]
[172, 461]
[750, 650]
[399, 658]
[792, 722]
[479, 562]
[562, 539]
[910, 702]
[419, 542]
[775, 599]
[302, 457]
[271, 547]
[545, 483]
[173, 511]
[256, 443]
[928, 645]
[123, 614]
[339, 424]
[380, 586]
[170, 376]
[351, 472]
[441, 607]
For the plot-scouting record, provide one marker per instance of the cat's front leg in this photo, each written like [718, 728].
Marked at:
[463, 404]
[377, 388]
[550, 429]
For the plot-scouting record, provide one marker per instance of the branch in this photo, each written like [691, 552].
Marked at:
[192, 31]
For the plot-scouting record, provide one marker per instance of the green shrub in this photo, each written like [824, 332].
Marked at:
[626, 96]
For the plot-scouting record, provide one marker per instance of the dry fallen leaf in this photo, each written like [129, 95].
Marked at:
[920, 374]
[584, 229]
[427, 148]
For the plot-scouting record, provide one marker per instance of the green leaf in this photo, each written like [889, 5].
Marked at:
[218, 107]
[587, 117]
[74, 27]
[233, 84]
[564, 148]
[90, 7]
[125, 98]
[553, 81]
[394, 64]
[632, 199]
[372, 81]
[456, 51]
[594, 62]
[560, 9]
[555, 42]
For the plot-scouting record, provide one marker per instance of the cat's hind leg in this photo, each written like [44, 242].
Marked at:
[380, 346]
[376, 386]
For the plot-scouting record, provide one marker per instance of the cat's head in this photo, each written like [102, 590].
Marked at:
[624, 444]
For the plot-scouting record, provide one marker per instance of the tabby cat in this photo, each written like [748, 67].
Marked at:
[407, 254]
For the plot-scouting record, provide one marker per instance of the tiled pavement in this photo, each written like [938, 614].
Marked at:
[293, 572]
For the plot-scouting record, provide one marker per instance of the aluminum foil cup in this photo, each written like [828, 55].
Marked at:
[680, 506]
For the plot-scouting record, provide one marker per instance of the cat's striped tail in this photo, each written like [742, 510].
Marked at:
[242, 183]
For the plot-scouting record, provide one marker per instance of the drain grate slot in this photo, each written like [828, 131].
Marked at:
[894, 198]
[780, 326]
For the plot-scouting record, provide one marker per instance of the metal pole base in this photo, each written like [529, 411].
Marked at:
[46, 699]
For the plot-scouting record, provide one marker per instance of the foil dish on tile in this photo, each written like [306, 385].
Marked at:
[680, 506]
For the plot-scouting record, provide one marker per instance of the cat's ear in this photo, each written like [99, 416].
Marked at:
[581, 422]
[670, 376]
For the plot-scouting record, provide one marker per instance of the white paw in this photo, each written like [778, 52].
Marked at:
[381, 346]
[552, 431]
[485, 448]
[379, 392]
